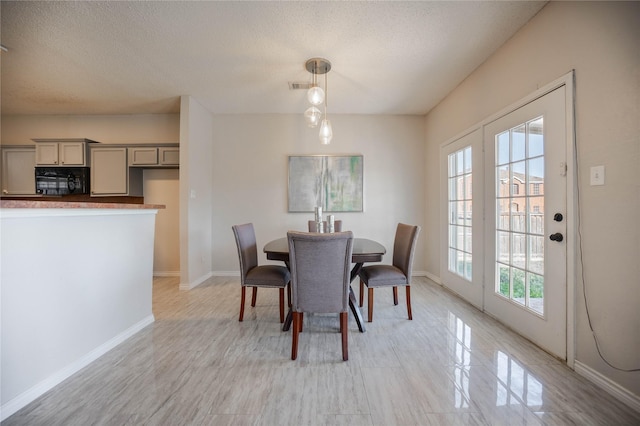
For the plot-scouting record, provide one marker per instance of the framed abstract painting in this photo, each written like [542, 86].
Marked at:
[333, 182]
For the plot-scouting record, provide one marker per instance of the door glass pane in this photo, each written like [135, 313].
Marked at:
[518, 256]
[518, 286]
[503, 280]
[503, 214]
[535, 255]
[504, 247]
[503, 147]
[535, 176]
[536, 138]
[467, 266]
[518, 143]
[535, 213]
[536, 296]
[460, 213]
[520, 214]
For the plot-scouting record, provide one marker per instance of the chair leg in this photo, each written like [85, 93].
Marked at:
[253, 296]
[395, 295]
[281, 305]
[289, 294]
[242, 296]
[361, 293]
[409, 301]
[370, 307]
[294, 335]
[301, 322]
[344, 321]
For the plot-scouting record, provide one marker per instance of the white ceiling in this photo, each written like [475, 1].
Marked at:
[126, 57]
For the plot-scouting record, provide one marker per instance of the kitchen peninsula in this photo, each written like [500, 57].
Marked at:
[76, 282]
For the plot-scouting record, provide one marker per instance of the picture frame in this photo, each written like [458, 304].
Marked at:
[333, 182]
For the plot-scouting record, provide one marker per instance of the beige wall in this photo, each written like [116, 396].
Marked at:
[162, 186]
[196, 203]
[601, 42]
[149, 128]
[250, 170]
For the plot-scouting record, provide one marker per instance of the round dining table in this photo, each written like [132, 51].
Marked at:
[364, 250]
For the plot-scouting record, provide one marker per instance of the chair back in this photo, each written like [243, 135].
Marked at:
[403, 248]
[247, 248]
[337, 226]
[320, 271]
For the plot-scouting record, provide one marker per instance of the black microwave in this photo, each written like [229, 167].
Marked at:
[62, 180]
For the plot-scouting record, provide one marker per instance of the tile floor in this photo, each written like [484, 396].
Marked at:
[197, 365]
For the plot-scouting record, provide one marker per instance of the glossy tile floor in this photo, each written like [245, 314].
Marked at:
[197, 365]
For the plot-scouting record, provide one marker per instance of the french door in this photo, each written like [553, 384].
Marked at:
[504, 201]
[525, 225]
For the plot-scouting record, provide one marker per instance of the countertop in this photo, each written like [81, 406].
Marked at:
[37, 204]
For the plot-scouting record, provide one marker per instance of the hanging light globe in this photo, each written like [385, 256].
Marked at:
[315, 95]
[312, 116]
[326, 133]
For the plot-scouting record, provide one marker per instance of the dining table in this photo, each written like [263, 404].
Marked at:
[364, 251]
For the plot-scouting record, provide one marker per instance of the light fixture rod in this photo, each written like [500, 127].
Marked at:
[4, 49]
[326, 95]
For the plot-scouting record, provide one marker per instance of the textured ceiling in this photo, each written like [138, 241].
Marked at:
[119, 57]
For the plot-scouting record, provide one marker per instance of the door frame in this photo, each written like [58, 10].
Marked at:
[567, 80]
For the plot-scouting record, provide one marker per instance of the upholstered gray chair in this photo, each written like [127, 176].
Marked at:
[337, 226]
[397, 274]
[320, 277]
[252, 275]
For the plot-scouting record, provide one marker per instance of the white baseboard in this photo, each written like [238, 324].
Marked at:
[622, 394]
[55, 379]
[189, 286]
[434, 278]
[226, 273]
[166, 273]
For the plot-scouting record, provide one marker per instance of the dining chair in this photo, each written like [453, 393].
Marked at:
[337, 226]
[253, 275]
[397, 274]
[320, 277]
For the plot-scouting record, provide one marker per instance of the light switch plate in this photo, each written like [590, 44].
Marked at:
[597, 175]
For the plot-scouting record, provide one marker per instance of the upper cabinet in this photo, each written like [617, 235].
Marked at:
[62, 152]
[18, 174]
[110, 174]
[154, 156]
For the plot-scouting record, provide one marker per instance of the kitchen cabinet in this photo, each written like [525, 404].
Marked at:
[111, 175]
[18, 170]
[169, 156]
[62, 152]
[154, 156]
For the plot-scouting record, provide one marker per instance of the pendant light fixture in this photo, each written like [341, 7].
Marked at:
[317, 96]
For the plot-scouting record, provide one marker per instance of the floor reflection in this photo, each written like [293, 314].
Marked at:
[514, 384]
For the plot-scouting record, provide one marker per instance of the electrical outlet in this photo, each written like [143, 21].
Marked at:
[597, 175]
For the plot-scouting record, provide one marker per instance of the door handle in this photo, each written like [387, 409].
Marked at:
[556, 237]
